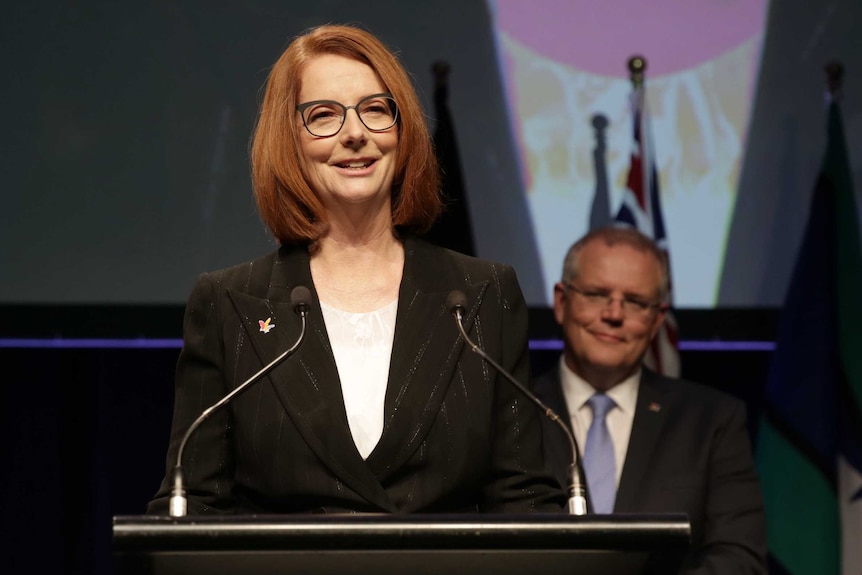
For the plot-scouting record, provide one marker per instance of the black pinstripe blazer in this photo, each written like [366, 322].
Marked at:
[456, 436]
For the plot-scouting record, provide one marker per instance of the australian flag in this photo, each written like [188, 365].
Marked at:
[641, 209]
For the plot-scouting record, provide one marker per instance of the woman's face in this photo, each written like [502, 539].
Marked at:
[355, 166]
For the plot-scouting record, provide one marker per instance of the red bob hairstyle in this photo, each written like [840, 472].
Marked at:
[287, 204]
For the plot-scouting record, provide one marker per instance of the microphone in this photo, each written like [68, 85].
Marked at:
[300, 300]
[457, 304]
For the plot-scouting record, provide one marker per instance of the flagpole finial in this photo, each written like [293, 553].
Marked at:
[834, 78]
[440, 69]
[599, 122]
[637, 69]
[600, 125]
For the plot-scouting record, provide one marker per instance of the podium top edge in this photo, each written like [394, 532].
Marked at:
[670, 521]
[438, 518]
[539, 531]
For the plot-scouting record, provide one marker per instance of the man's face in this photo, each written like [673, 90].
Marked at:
[609, 312]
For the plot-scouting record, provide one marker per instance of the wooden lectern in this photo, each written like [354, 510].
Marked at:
[404, 544]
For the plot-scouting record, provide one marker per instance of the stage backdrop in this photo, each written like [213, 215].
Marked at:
[126, 129]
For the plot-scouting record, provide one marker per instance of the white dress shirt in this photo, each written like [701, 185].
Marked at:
[619, 419]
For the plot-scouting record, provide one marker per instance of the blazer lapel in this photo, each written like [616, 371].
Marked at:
[307, 384]
[650, 417]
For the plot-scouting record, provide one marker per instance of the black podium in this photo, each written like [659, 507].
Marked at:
[405, 544]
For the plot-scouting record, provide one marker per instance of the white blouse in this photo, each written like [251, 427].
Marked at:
[362, 346]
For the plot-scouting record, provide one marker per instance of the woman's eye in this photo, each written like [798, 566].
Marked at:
[321, 114]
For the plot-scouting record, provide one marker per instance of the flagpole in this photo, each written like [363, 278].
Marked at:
[637, 66]
[834, 80]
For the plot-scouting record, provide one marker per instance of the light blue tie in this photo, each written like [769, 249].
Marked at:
[599, 462]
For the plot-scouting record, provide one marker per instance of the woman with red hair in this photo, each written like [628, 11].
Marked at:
[383, 408]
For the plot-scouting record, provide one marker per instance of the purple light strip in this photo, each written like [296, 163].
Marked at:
[166, 343]
[715, 345]
[63, 343]
[686, 345]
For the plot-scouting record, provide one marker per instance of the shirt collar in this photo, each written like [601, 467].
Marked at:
[578, 390]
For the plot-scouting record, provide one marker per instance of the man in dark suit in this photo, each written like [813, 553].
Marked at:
[649, 444]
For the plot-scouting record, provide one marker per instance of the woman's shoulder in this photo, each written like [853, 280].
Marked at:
[424, 250]
[241, 272]
[258, 274]
[432, 268]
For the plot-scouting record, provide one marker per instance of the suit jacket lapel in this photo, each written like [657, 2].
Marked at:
[650, 417]
[557, 447]
[550, 390]
[308, 384]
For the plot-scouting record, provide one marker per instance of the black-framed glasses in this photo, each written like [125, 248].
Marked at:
[324, 118]
[602, 298]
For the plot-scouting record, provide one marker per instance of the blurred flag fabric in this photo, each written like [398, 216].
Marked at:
[641, 208]
[453, 229]
[809, 447]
